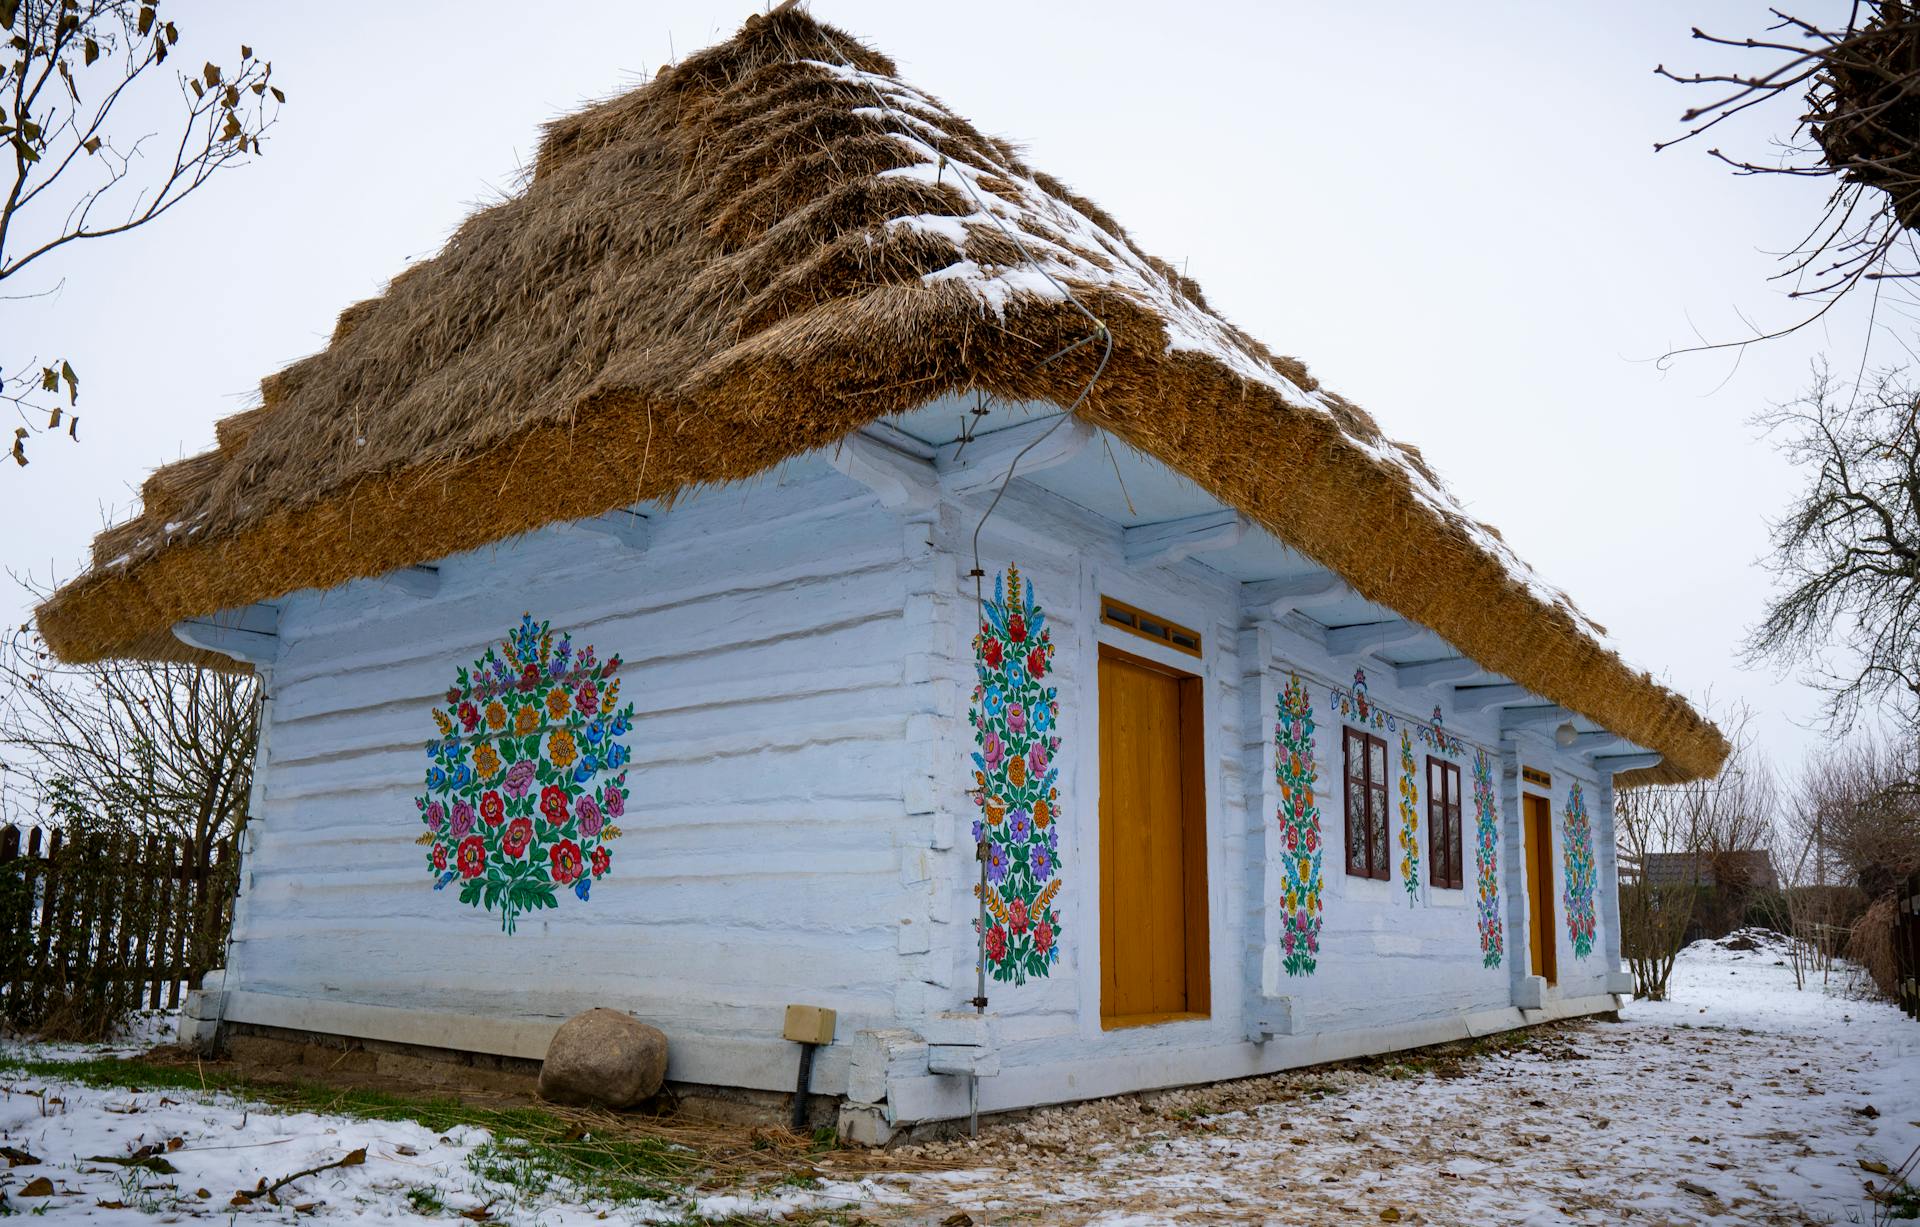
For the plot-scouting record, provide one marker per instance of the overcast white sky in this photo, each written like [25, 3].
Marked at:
[1453, 214]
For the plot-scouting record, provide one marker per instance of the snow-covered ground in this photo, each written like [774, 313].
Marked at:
[1741, 1100]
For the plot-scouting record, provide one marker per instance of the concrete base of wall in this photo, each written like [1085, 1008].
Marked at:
[904, 1098]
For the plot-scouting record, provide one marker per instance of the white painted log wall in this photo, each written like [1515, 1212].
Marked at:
[800, 662]
[764, 640]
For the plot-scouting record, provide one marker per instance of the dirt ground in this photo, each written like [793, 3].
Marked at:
[1588, 1122]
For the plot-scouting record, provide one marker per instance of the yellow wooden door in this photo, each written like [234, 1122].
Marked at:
[1539, 836]
[1152, 849]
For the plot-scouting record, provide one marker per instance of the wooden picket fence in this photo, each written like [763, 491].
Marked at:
[95, 926]
[1906, 946]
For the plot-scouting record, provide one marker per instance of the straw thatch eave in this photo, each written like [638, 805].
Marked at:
[746, 260]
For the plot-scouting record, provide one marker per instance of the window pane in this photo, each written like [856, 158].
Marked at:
[1376, 761]
[1356, 828]
[1377, 831]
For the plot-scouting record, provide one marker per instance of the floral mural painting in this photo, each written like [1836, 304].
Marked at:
[1486, 858]
[1357, 705]
[1409, 821]
[1436, 735]
[1581, 876]
[1300, 829]
[1016, 739]
[525, 782]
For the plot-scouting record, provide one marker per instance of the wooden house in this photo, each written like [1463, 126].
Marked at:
[792, 511]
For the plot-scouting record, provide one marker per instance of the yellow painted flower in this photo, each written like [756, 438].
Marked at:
[496, 715]
[1042, 814]
[557, 702]
[525, 721]
[440, 718]
[560, 748]
[1017, 771]
[486, 760]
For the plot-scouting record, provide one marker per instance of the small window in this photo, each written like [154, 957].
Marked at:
[1443, 823]
[1149, 626]
[1366, 772]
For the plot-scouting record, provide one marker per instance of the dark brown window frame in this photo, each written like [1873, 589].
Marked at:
[1443, 824]
[1374, 792]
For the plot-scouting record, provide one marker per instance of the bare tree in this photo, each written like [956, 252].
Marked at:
[1856, 87]
[1847, 553]
[67, 67]
[130, 746]
[1672, 837]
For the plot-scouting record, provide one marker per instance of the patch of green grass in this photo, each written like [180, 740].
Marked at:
[425, 1200]
[531, 1149]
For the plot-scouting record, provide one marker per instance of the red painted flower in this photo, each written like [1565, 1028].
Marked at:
[473, 857]
[586, 698]
[469, 716]
[1037, 662]
[492, 808]
[991, 653]
[565, 856]
[453, 696]
[1042, 937]
[553, 803]
[518, 835]
[607, 670]
[1018, 916]
[529, 677]
[996, 944]
[1016, 628]
[601, 859]
[439, 858]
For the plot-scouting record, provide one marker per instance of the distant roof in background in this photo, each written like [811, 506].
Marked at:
[758, 252]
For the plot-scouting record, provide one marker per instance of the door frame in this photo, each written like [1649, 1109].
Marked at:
[1193, 846]
[1536, 835]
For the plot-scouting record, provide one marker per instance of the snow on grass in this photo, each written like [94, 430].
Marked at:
[1741, 1100]
[112, 1151]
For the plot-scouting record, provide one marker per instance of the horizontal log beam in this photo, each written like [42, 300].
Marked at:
[1371, 636]
[1434, 672]
[1170, 541]
[1479, 698]
[968, 466]
[1276, 598]
[1513, 719]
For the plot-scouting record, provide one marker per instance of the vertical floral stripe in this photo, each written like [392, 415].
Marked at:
[1409, 821]
[1293, 770]
[1581, 878]
[1486, 859]
[1014, 716]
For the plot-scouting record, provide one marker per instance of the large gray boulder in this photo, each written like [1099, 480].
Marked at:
[604, 1058]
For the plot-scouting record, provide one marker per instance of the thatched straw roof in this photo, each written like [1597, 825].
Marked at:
[746, 259]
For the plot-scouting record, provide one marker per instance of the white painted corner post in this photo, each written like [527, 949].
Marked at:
[1527, 985]
[1607, 859]
[1269, 1010]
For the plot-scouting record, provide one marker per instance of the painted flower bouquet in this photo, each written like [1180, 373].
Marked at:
[1014, 717]
[1294, 771]
[1409, 821]
[525, 782]
[1581, 876]
[1486, 859]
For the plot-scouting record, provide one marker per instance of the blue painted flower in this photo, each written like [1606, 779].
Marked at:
[1042, 862]
[436, 779]
[993, 700]
[581, 887]
[1016, 674]
[444, 879]
[595, 731]
[1042, 716]
[996, 863]
[617, 756]
[1019, 826]
[979, 830]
